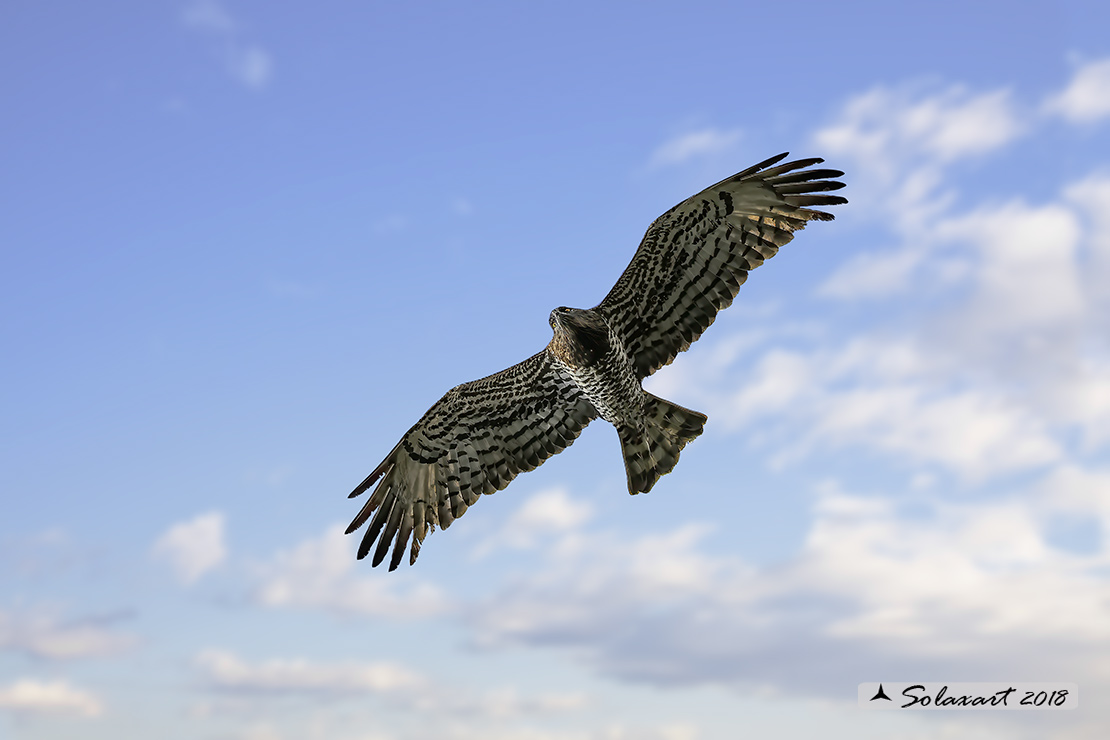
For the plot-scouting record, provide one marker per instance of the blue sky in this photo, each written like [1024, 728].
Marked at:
[243, 247]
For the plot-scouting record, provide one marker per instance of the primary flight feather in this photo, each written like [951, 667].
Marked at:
[482, 434]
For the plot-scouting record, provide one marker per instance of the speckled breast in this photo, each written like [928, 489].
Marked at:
[611, 385]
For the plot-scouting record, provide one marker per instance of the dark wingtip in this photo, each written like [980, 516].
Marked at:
[390, 527]
[371, 479]
[755, 168]
[769, 161]
[379, 556]
[402, 540]
[382, 469]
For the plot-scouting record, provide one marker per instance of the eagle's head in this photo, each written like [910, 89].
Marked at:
[581, 336]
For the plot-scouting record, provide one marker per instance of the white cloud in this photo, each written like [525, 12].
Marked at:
[544, 514]
[248, 63]
[1075, 489]
[893, 396]
[1087, 98]
[549, 511]
[49, 697]
[195, 547]
[781, 378]
[225, 670]
[872, 591]
[898, 144]
[955, 125]
[261, 731]
[1091, 197]
[44, 635]
[945, 125]
[873, 275]
[1083, 394]
[683, 148]
[971, 432]
[1028, 273]
[586, 586]
[955, 581]
[320, 573]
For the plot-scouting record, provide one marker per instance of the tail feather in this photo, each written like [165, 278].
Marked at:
[653, 453]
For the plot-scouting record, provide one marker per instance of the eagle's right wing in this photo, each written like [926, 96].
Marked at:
[694, 257]
[474, 440]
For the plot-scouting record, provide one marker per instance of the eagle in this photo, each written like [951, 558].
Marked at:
[690, 265]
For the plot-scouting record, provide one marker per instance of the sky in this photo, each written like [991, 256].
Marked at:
[244, 246]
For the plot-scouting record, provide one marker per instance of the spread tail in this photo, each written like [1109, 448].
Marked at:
[654, 453]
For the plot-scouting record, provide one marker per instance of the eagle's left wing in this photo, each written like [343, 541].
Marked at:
[694, 257]
[474, 440]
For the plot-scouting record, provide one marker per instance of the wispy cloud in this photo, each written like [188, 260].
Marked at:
[873, 275]
[248, 63]
[685, 147]
[226, 672]
[545, 514]
[871, 587]
[878, 394]
[1090, 199]
[1011, 242]
[49, 697]
[901, 142]
[49, 552]
[43, 634]
[1086, 99]
[947, 124]
[320, 573]
[194, 547]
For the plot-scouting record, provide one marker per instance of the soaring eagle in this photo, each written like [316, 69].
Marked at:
[689, 266]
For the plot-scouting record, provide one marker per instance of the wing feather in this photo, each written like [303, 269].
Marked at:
[474, 440]
[694, 258]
